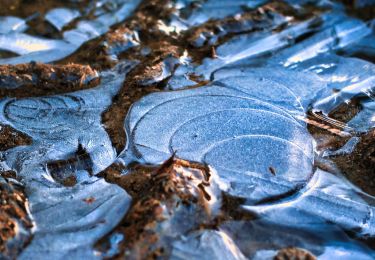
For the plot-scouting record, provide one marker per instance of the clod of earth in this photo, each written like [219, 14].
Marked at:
[15, 222]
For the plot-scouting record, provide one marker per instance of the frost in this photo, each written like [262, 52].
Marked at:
[242, 131]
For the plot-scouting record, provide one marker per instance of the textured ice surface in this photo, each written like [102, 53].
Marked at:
[10, 24]
[335, 37]
[60, 17]
[69, 220]
[238, 125]
[208, 244]
[247, 123]
[267, 238]
[242, 133]
[33, 48]
[58, 124]
[89, 29]
[304, 86]
[219, 9]
[68, 223]
[328, 197]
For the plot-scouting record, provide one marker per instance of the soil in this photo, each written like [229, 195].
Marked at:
[13, 216]
[359, 166]
[293, 253]
[63, 171]
[10, 137]
[159, 196]
[36, 79]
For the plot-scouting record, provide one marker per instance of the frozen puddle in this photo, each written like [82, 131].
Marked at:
[68, 220]
[264, 95]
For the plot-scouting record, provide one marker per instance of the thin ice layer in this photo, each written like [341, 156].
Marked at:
[270, 166]
[326, 197]
[59, 17]
[231, 128]
[185, 109]
[69, 220]
[9, 24]
[305, 86]
[204, 131]
[338, 36]
[260, 239]
[208, 244]
[32, 48]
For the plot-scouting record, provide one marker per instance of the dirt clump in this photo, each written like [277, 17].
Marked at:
[15, 223]
[293, 253]
[359, 166]
[37, 79]
[168, 201]
[10, 138]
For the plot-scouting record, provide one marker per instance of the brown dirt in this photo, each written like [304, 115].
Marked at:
[64, 171]
[25, 8]
[159, 195]
[293, 253]
[327, 136]
[13, 216]
[36, 79]
[359, 166]
[10, 137]
[347, 110]
[353, 8]
[162, 46]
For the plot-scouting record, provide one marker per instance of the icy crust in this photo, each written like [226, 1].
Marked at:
[246, 135]
[211, 9]
[46, 50]
[207, 244]
[298, 222]
[346, 78]
[59, 124]
[254, 137]
[259, 239]
[68, 220]
[315, 235]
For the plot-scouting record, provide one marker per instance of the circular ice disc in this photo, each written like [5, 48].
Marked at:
[197, 135]
[270, 164]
